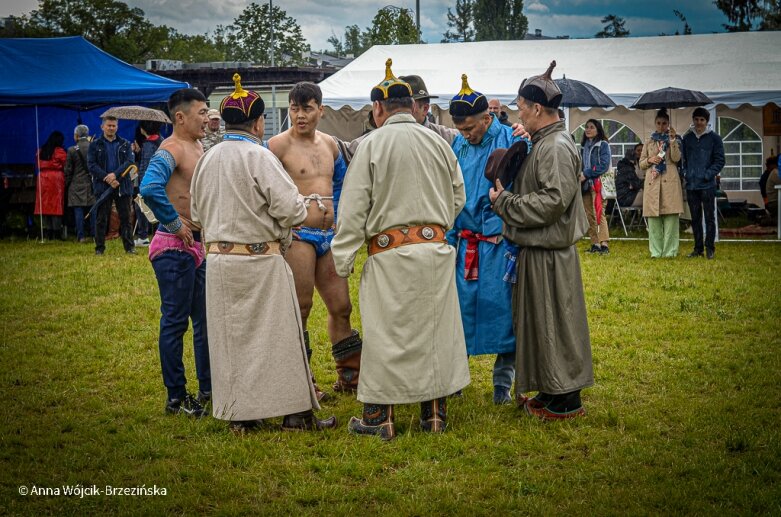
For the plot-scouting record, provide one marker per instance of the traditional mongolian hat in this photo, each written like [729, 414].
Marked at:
[391, 87]
[541, 89]
[467, 102]
[241, 105]
[505, 164]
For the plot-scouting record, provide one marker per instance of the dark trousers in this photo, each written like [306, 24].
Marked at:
[78, 215]
[182, 298]
[703, 201]
[101, 224]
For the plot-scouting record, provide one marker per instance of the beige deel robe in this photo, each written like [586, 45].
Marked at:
[544, 215]
[413, 342]
[663, 195]
[241, 194]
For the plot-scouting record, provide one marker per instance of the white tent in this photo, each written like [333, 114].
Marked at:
[731, 68]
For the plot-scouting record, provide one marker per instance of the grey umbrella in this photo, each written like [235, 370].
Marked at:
[579, 94]
[137, 113]
[671, 98]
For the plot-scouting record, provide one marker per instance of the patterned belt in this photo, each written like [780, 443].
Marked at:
[396, 237]
[229, 248]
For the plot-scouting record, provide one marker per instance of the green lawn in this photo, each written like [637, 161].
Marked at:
[685, 416]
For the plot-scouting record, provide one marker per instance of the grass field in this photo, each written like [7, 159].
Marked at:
[685, 416]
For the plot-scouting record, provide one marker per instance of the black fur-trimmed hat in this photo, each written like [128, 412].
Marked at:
[467, 102]
[391, 87]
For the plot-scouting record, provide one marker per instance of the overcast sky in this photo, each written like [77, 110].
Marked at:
[319, 19]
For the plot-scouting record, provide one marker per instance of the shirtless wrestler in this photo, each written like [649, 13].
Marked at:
[176, 251]
[315, 165]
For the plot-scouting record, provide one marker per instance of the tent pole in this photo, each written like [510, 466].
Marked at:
[38, 164]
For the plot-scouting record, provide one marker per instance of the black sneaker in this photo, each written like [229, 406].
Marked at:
[189, 406]
[604, 250]
[595, 248]
[204, 397]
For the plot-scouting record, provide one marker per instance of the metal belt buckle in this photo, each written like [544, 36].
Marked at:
[428, 233]
[383, 240]
[225, 246]
[258, 248]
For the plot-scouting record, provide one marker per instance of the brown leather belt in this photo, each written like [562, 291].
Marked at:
[396, 237]
[230, 248]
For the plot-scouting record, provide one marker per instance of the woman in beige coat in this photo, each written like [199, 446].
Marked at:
[662, 194]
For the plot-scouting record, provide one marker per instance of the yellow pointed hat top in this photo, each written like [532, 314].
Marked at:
[465, 89]
[239, 92]
[391, 86]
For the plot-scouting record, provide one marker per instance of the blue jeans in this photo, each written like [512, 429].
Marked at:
[78, 215]
[504, 369]
[182, 298]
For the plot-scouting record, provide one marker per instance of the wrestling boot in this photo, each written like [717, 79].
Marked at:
[347, 356]
[377, 420]
[560, 407]
[306, 421]
[321, 395]
[433, 415]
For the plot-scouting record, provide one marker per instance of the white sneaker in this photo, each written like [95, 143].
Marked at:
[142, 242]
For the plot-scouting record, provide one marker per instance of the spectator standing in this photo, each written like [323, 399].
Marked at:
[150, 130]
[629, 184]
[595, 158]
[662, 193]
[214, 132]
[703, 158]
[78, 181]
[50, 187]
[108, 157]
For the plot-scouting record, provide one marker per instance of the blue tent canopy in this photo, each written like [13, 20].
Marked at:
[72, 71]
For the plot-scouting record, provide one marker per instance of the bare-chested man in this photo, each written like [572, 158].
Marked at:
[176, 251]
[315, 165]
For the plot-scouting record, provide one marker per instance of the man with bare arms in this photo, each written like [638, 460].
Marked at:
[176, 252]
[314, 163]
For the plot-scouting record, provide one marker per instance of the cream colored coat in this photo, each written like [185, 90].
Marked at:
[663, 195]
[241, 194]
[413, 342]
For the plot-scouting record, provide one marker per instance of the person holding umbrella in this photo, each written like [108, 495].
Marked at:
[662, 193]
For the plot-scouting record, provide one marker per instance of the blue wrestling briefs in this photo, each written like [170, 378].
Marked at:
[320, 239]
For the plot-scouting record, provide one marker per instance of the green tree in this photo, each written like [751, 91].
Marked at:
[354, 40]
[686, 27]
[771, 16]
[461, 24]
[248, 38]
[109, 24]
[190, 49]
[337, 44]
[614, 28]
[743, 14]
[392, 26]
[499, 20]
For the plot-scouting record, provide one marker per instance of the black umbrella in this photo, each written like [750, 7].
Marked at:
[671, 98]
[577, 93]
[132, 169]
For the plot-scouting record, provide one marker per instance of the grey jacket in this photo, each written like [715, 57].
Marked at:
[78, 181]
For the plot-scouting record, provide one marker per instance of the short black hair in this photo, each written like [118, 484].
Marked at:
[662, 113]
[702, 112]
[394, 104]
[460, 119]
[150, 127]
[242, 126]
[183, 96]
[545, 109]
[304, 92]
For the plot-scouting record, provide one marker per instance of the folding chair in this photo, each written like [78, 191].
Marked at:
[609, 192]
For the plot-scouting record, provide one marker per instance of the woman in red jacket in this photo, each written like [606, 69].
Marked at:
[50, 188]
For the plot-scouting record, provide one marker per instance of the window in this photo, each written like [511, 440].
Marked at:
[742, 155]
[619, 135]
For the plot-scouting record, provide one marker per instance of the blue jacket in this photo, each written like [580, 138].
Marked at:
[97, 158]
[702, 159]
[596, 157]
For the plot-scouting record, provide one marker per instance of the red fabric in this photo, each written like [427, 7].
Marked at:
[472, 257]
[50, 187]
[598, 199]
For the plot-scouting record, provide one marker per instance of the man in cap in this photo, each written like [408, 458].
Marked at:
[422, 105]
[314, 163]
[176, 251]
[543, 213]
[403, 190]
[247, 205]
[484, 295]
[214, 132]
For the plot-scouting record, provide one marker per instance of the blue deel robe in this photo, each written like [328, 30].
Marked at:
[486, 303]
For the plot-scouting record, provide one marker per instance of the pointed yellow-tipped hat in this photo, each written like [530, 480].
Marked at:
[241, 105]
[467, 102]
[391, 87]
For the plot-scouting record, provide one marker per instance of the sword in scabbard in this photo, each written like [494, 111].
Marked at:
[131, 169]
